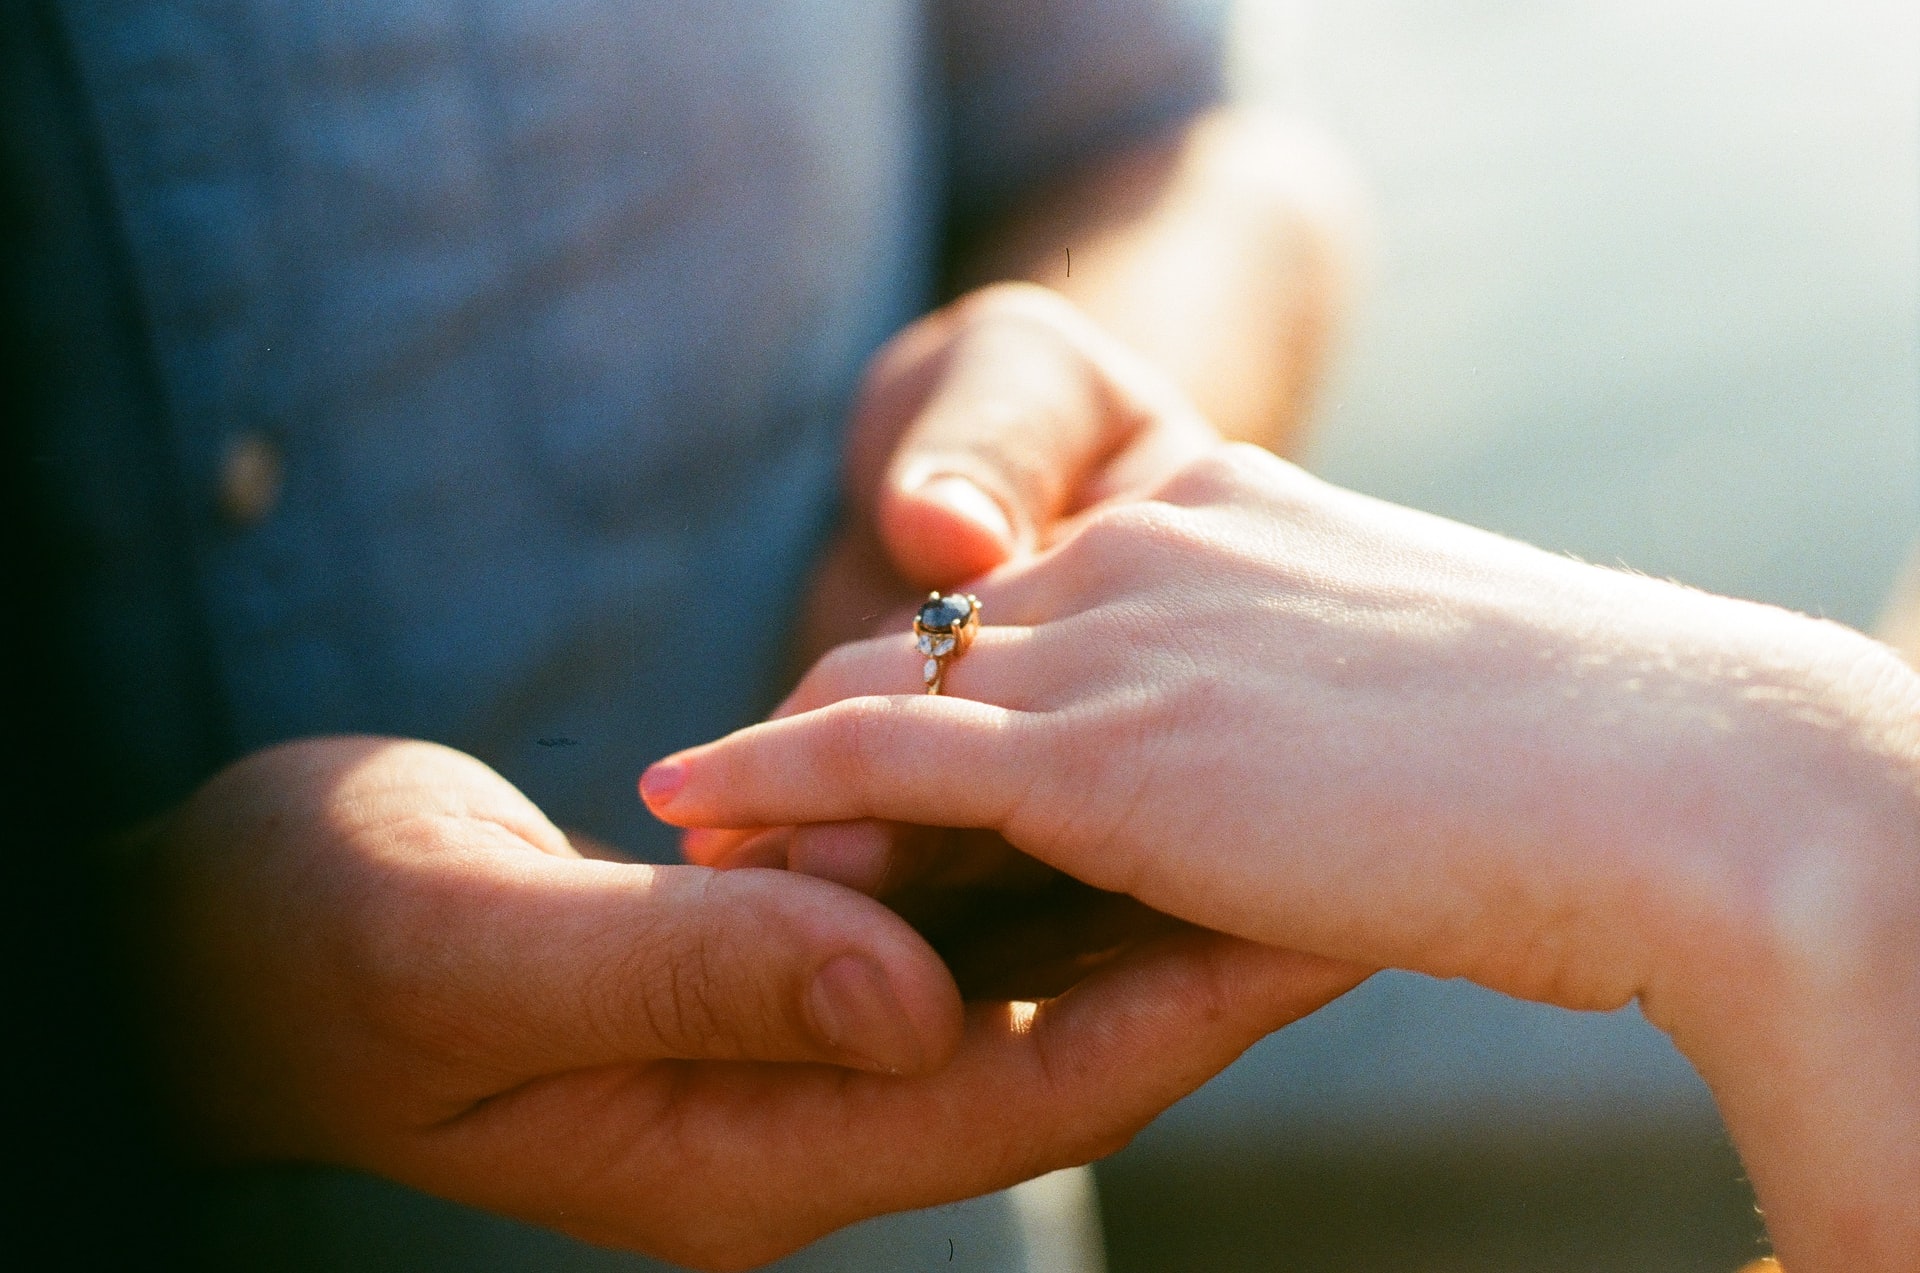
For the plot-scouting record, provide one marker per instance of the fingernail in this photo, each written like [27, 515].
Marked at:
[856, 1012]
[662, 782]
[961, 496]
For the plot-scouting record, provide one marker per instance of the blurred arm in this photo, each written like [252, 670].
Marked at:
[1899, 626]
[1217, 250]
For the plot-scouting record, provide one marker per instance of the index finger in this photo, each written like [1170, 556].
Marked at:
[928, 759]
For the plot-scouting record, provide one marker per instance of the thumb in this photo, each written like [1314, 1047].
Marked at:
[593, 962]
[1000, 426]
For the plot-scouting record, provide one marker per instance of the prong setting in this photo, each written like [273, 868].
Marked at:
[943, 629]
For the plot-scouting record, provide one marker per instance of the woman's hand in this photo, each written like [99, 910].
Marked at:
[1294, 714]
[379, 954]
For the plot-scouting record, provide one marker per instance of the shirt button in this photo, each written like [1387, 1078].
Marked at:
[250, 477]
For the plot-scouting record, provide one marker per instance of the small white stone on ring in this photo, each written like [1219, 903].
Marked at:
[931, 670]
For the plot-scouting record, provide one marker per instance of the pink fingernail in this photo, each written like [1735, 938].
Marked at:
[965, 498]
[856, 1012]
[662, 782]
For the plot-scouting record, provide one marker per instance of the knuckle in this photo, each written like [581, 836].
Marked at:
[868, 749]
[1219, 475]
[684, 984]
[840, 742]
[1054, 766]
[672, 1009]
[602, 1002]
[673, 1003]
[1118, 528]
[858, 736]
[1122, 535]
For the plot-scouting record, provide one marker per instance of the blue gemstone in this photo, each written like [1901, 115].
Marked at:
[946, 614]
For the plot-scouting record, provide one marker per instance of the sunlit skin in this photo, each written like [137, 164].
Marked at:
[1288, 712]
[411, 971]
[377, 953]
[988, 425]
[1114, 325]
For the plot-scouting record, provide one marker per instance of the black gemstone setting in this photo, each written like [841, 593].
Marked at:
[945, 614]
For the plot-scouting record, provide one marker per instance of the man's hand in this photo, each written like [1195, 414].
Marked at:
[379, 954]
[977, 432]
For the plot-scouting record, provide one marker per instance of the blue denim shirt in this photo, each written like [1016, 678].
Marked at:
[495, 352]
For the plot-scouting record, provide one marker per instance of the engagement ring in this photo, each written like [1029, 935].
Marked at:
[943, 630]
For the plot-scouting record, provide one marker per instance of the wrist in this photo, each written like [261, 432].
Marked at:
[1795, 990]
[1787, 844]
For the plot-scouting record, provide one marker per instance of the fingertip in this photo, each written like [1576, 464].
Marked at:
[706, 846]
[856, 1011]
[678, 790]
[798, 969]
[946, 529]
[932, 1001]
[727, 850]
[966, 501]
[661, 782]
[888, 1005]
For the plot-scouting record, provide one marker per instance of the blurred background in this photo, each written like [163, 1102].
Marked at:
[1642, 284]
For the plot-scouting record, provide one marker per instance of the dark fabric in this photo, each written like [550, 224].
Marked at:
[551, 311]
[92, 1186]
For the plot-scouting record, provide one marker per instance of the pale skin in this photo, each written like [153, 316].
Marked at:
[377, 953]
[1313, 720]
[988, 425]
